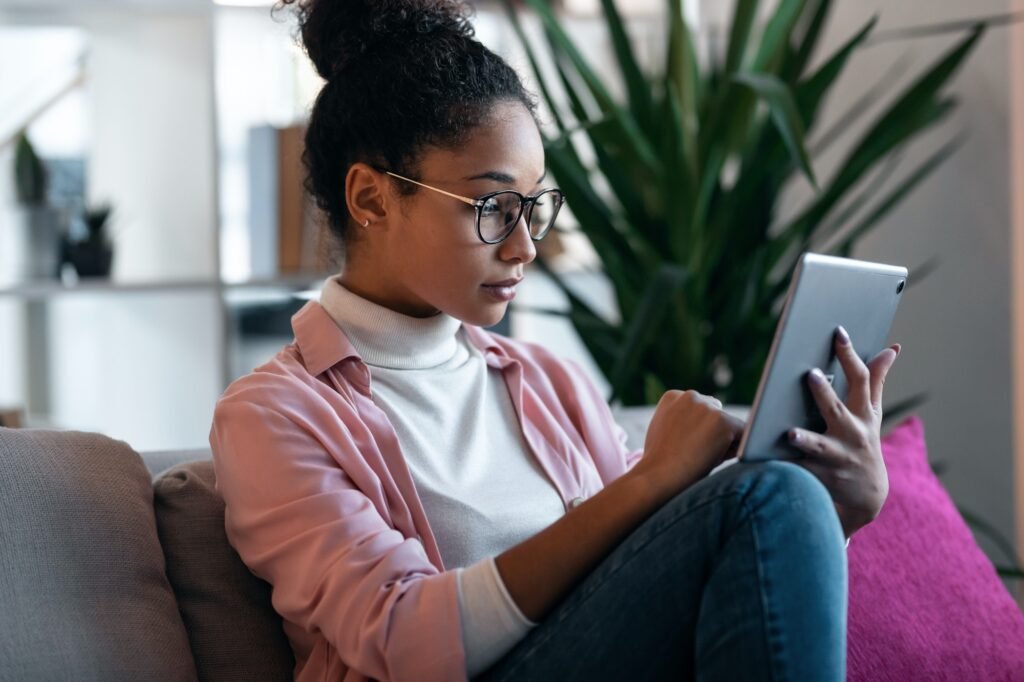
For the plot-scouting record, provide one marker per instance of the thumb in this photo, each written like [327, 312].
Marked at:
[879, 367]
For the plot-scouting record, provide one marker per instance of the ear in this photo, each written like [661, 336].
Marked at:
[365, 194]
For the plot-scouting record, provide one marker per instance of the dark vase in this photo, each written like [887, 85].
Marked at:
[90, 258]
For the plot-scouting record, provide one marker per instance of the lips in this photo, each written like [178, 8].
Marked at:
[505, 283]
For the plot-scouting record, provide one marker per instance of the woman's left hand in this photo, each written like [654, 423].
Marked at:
[847, 458]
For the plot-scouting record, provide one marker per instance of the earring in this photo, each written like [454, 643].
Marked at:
[366, 223]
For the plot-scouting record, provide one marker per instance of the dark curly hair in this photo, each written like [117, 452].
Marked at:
[401, 75]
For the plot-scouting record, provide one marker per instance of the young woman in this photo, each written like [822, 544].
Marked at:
[431, 501]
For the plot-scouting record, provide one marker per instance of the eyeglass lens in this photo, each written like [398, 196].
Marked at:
[500, 213]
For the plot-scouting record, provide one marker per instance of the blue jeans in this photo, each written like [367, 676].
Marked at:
[740, 577]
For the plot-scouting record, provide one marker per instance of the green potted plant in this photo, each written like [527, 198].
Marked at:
[93, 255]
[34, 251]
[694, 158]
[30, 176]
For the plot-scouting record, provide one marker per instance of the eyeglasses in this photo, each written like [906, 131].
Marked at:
[498, 213]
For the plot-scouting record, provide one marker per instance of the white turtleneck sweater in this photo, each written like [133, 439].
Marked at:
[481, 489]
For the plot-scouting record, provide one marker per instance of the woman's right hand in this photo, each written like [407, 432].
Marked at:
[689, 435]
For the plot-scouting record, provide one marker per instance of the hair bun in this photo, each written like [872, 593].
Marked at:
[336, 33]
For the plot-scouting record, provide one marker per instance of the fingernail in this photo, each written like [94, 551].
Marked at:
[794, 436]
[896, 347]
[844, 337]
[816, 375]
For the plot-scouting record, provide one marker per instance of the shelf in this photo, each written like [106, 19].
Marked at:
[44, 289]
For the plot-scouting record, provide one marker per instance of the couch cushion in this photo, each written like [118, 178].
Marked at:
[159, 461]
[234, 630]
[82, 583]
[925, 603]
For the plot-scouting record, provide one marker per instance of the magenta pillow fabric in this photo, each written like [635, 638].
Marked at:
[925, 602]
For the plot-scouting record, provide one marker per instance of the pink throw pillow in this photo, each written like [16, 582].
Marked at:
[925, 602]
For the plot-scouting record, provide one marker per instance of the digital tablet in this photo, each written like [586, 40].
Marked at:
[824, 292]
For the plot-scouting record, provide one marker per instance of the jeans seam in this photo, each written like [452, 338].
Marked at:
[614, 571]
[765, 611]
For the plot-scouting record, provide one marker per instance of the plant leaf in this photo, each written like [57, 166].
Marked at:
[810, 92]
[897, 410]
[653, 388]
[854, 205]
[559, 37]
[704, 174]
[991, 532]
[561, 42]
[624, 186]
[1009, 572]
[30, 174]
[682, 85]
[779, 99]
[948, 27]
[733, 109]
[636, 84]
[601, 338]
[897, 195]
[531, 56]
[619, 257]
[775, 38]
[767, 162]
[858, 110]
[921, 272]
[677, 180]
[645, 323]
[744, 13]
[796, 60]
[912, 112]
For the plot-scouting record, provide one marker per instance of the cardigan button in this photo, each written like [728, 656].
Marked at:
[575, 502]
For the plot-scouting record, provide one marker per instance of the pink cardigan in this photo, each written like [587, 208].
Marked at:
[321, 505]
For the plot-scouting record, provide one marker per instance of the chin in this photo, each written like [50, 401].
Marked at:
[487, 317]
[495, 320]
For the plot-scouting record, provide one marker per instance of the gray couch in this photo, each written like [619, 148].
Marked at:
[115, 566]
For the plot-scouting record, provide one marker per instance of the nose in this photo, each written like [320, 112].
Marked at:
[518, 247]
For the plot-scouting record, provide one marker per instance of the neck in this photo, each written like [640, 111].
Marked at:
[385, 337]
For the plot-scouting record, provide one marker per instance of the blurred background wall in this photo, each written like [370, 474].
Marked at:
[955, 324]
[138, 366]
[161, 126]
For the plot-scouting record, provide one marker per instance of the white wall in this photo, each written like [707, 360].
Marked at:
[141, 366]
[153, 152]
[954, 325]
[147, 367]
[35, 64]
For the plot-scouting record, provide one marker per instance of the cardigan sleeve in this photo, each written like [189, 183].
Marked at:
[335, 565]
[621, 437]
[595, 420]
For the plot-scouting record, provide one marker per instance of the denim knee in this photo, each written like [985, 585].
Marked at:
[781, 489]
[778, 490]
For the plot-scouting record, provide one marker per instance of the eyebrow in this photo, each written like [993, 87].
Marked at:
[505, 178]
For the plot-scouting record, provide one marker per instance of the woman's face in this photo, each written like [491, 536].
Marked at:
[428, 257]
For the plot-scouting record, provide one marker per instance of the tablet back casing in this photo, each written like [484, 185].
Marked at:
[825, 292]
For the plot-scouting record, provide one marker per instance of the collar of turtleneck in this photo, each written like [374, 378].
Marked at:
[389, 339]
